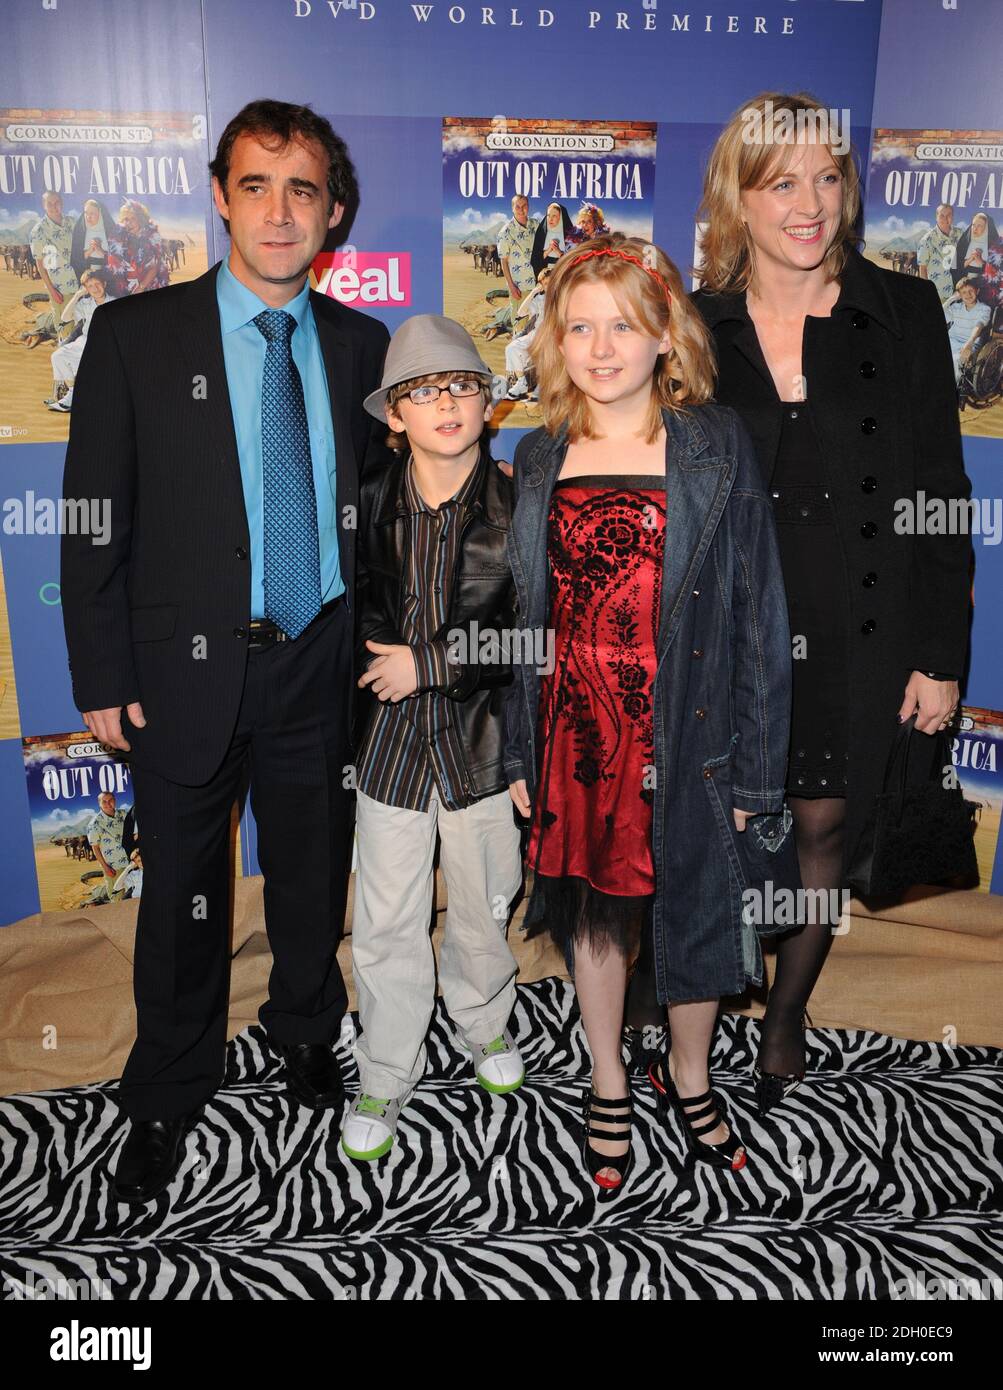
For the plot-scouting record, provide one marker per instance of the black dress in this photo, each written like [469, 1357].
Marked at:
[818, 607]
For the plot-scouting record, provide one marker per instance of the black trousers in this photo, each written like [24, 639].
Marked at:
[292, 742]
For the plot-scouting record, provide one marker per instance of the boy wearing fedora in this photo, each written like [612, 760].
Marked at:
[436, 610]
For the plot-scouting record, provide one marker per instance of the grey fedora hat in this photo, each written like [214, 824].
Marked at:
[425, 345]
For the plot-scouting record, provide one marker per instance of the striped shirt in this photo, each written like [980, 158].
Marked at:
[414, 746]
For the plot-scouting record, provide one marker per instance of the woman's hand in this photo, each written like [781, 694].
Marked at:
[520, 796]
[740, 817]
[393, 675]
[933, 702]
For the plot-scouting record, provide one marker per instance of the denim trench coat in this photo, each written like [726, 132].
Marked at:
[722, 688]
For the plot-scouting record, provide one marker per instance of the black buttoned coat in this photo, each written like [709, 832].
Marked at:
[880, 387]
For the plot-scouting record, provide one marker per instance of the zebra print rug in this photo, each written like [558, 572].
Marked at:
[886, 1164]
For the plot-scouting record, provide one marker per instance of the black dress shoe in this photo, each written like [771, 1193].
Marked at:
[314, 1075]
[151, 1156]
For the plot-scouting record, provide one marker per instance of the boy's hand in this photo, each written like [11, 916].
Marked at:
[520, 796]
[740, 817]
[393, 674]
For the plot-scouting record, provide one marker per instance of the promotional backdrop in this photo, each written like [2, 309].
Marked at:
[606, 111]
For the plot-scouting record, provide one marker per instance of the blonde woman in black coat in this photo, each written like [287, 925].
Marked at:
[842, 373]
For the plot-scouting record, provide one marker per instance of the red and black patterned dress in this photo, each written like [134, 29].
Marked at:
[590, 838]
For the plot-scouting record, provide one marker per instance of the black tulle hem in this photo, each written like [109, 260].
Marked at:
[573, 911]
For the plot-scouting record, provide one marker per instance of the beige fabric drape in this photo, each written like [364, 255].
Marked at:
[930, 968]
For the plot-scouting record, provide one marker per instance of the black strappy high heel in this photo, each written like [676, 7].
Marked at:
[773, 1087]
[711, 1109]
[619, 1127]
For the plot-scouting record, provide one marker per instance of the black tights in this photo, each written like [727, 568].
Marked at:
[818, 832]
[801, 953]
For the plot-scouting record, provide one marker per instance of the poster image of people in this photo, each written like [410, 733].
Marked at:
[518, 194]
[87, 848]
[977, 754]
[933, 210]
[95, 205]
[86, 835]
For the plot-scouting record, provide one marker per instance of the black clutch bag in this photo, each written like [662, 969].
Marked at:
[921, 829]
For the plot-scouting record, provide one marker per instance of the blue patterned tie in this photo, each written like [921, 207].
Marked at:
[292, 546]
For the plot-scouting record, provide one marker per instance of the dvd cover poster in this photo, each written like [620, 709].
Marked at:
[933, 211]
[83, 826]
[976, 753]
[518, 195]
[85, 833]
[96, 205]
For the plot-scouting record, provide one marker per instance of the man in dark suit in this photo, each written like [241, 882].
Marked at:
[211, 638]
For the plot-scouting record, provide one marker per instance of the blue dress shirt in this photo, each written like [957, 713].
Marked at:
[244, 356]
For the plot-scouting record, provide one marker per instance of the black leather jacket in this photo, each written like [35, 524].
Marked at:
[482, 593]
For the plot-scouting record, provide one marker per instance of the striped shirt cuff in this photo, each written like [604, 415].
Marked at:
[430, 662]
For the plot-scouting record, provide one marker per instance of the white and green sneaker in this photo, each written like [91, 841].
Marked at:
[369, 1129]
[498, 1065]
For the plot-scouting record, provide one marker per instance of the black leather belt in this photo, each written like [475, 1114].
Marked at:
[263, 633]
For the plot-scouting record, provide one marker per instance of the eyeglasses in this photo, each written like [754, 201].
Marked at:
[425, 395]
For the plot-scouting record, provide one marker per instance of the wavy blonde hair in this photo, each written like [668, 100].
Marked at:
[738, 163]
[683, 376]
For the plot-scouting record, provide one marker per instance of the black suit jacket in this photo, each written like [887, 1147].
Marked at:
[160, 613]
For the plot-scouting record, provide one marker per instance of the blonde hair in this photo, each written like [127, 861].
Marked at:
[397, 439]
[738, 163]
[140, 209]
[683, 376]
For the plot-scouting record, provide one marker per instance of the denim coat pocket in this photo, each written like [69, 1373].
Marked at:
[717, 778]
[771, 864]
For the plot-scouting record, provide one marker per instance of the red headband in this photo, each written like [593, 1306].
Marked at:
[626, 256]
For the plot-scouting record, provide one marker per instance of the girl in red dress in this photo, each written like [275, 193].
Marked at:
[617, 337]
